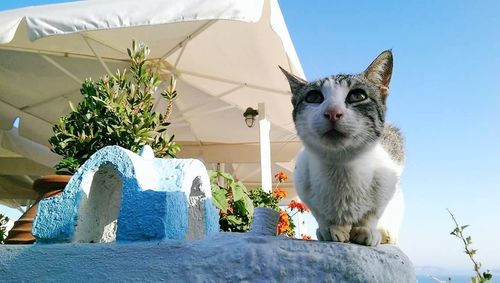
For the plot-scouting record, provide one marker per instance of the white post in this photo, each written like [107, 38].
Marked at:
[265, 149]
[221, 167]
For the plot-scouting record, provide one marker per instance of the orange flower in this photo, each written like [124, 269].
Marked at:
[305, 237]
[283, 229]
[283, 223]
[283, 216]
[298, 205]
[281, 177]
[279, 193]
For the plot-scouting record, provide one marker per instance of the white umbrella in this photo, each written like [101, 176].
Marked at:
[29, 154]
[21, 161]
[225, 55]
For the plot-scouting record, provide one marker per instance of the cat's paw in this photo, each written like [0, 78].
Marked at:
[340, 233]
[388, 237]
[365, 236]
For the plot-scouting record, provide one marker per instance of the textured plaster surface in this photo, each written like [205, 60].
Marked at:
[98, 214]
[120, 195]
[227, 257]
[264, 222]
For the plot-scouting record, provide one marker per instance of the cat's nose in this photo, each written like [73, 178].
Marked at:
[334, 114]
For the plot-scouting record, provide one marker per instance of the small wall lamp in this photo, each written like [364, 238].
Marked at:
[250, 115]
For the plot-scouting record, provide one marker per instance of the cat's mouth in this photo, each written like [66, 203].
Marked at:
[334, 133]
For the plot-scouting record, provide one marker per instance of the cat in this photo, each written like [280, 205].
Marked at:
[349, 169]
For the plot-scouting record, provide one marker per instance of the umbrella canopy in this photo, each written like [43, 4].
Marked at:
[224, 53]
[21, 161]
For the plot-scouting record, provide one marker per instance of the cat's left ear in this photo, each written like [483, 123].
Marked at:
[380, 71]
[295, 82]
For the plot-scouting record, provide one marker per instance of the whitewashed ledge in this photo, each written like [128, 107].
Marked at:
[225, 257]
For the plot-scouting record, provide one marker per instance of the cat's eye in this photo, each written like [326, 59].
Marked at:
[356, 95]
[314, 96]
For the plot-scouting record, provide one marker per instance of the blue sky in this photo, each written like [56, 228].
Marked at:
[445, 96]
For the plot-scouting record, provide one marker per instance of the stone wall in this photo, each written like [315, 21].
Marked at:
[226, 257]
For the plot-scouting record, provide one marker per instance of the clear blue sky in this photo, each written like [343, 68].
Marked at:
[445, 96]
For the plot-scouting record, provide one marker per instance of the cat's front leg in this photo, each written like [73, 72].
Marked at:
[339, 233]
[366, 232]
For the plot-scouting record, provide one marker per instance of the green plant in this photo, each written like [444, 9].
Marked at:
[232, 200]
[3, 227]
[116, 110]
[264, 199]
[467, 241]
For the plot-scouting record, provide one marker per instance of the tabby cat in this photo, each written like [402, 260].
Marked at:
[349, 170]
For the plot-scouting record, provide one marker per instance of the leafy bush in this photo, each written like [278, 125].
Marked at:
[3, 227]
[116, 110]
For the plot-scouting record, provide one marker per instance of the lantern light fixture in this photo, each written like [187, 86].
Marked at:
[250, 115]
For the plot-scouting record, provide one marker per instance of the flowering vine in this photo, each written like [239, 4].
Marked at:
[286, 226]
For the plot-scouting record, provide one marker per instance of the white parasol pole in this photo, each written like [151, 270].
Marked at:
[265, 149]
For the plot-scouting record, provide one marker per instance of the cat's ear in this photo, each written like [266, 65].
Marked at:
[295, 82]
[380, 71]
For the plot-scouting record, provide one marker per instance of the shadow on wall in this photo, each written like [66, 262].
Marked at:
[100, 206]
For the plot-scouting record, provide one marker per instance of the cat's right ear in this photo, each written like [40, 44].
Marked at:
[380, 71]
[295, 82]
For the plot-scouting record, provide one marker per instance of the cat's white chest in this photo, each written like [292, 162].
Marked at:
[344, 193]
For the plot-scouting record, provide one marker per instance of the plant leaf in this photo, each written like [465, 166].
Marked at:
[238, 192]
[72, 106]
[219, 198]
[234, 220]
[468, 240]
[248, 204]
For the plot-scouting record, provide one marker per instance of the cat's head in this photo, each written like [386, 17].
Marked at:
[342, 113]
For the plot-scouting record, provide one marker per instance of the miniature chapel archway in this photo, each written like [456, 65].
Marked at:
[119, 195]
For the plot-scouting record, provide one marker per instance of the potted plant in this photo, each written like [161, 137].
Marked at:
[236, 204]
[115, 110]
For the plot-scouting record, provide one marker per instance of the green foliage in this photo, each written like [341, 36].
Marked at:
[3, 229]
[264, 199]
[116, 110]
[233, 201]
[467, 241]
